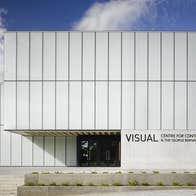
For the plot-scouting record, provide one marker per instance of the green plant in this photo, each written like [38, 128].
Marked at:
[155, 172]
[65, 184]
[116, 184]
[105, 172]
[28, 184]
[130, 172]
[186, 172]
[93, 172]
[173, 172]
[143, 172]
[40, 184]
[102, 164]
[70, 173]
[79, 184]
[175, 184]
[35, 172]
[53, 184]
[84, 164]
[90, 184]
[144, 184]
[159, 184]
[104, 184]
[58, 172]
[45, 172]
[118, 172]
[132, 183]
[92, 164]
[189, 184]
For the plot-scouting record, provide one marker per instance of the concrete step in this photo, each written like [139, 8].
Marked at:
[9, 183]
[7, 186]
[8, 190]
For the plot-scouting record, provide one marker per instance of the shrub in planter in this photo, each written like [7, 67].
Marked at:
[53, 184]
[159, 184]
[58, 172]
[35, 172]
[65, 184]
[155, 172]
[132, 183]
[90, 184]
[175, 184]
[104, 184]
[79, 184]
[40, 184]
[189, 184]
[28, 184]
[144, 184]
[116, 184]
[45, 172]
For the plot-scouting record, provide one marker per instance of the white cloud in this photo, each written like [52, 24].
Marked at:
[3, 12]
[114, 15]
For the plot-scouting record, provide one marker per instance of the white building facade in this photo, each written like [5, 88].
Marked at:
[80, 98]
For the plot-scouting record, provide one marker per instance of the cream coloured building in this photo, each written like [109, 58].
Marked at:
[74, 98]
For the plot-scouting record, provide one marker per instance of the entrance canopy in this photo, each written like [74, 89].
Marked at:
[63, 132]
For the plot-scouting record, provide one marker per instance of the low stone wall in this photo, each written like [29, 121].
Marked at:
[75, 190]
[111, 178]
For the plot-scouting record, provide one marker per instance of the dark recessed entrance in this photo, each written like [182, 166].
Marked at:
[98, 150]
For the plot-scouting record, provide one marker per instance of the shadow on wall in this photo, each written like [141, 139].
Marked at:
[46, 150]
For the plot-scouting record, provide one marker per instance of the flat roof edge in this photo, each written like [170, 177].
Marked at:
[150, 31]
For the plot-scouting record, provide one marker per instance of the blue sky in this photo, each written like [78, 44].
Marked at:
[63, 14]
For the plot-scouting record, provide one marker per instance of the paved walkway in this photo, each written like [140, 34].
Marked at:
[11, 177]
[185, 192]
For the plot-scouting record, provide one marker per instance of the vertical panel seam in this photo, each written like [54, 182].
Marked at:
[108, 82]
[43, 96]
[134, 81]
[147, 80]
[29, 73]
[187, 78]
[95, 61]
[1, 128]
[161, 80]
[16, 76]
[121, 80]
[55, 76]
[81, 80]
[65, 146]
[68, 81]
[174, 78]
[55, 96]
[32, 138]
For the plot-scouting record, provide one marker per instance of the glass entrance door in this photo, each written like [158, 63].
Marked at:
[98, 151]
[109, 153]
[87, 152]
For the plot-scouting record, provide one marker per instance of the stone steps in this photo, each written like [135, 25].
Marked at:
[9, 183]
